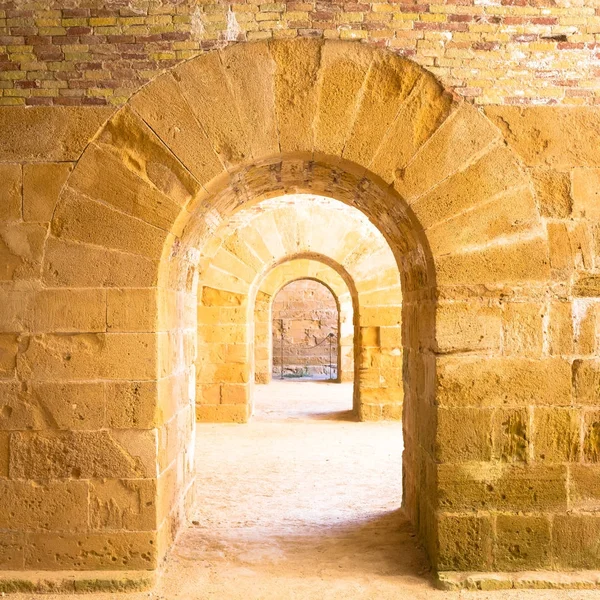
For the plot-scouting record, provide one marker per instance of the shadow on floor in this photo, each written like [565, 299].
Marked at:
[384, 545]
[338, 415]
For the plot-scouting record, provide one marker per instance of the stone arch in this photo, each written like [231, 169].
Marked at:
[237, 259]
[272, 283]
[339, 119]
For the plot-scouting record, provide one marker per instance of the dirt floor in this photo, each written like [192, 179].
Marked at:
[302, 503]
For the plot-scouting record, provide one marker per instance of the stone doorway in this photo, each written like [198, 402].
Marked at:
[305, 324]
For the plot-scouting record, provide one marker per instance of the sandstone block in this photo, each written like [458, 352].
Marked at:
[222, 413]
[553, 193]
[82, 220]
[502, 487]
[70, 264]
[213, 297]
[208, 393]
[511, 435]
[130, 404]
[513, 211]
[86, 356]
[465, 543]
[17, 409]
[465, 326]
[142, 151]
[556, 137]
[131, 309]
[522, 542]
[75, 454]
[223, 373]
[250, 70]
[570, 246]
[205, 86]
[85, 551]
[584, 493]
[586, 382]
[591, 436]
[10, 192]
[586, 200]
[470, 381]
[587, 286]
[51, 506]
[464, 134]
[124, 189]
[295, 92]
[12, 551]
[42, 183]
[522, 324]
[21, 250]
[370, 412]
[235, 394]
[50, 133]
[341, 78]
[161, 105]
[16, 315]
[556, 433]
[234, 266]
[370, 336]
[70, 311]
[51, 406]
[388, 83]
[418, 118]
[496, 172]
[4, 439]
[123, 504]
[380, 316]
[560, 330]
[511, 262]
[9, 346]
[463, 434]
[575, 541]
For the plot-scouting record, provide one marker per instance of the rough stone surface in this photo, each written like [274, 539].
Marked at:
[43, 134]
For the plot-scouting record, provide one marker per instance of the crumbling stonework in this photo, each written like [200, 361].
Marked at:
[491, 217]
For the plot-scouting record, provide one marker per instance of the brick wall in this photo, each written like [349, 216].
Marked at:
[306, 312]
[489, 51]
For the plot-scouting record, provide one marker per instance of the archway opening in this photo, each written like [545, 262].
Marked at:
[305, 332]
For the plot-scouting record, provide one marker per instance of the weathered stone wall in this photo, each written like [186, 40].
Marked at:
[491, 52]
[492, 217]
[304, 314]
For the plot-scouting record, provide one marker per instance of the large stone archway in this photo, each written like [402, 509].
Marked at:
[338, 119]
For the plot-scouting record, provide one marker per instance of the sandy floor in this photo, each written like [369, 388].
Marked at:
[303, 503]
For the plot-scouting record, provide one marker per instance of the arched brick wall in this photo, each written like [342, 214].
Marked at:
[436, 178]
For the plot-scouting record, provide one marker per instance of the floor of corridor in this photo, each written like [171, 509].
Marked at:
[302, 503]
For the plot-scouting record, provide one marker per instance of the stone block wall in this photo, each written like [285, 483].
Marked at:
[304, 314]
[491, 216]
